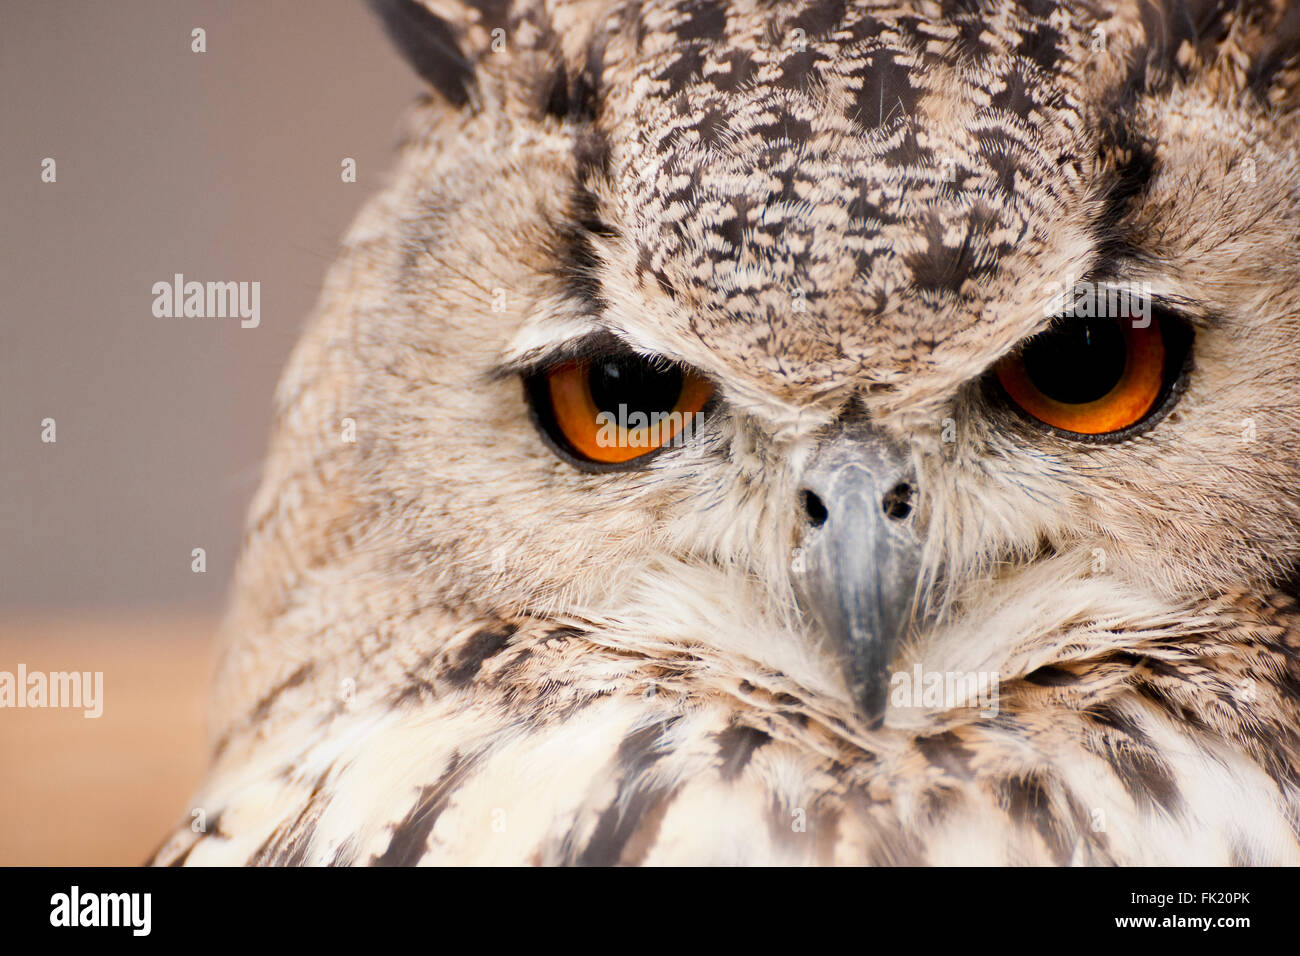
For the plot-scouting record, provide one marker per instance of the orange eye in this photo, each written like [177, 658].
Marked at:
[1089, 376]
[615, 409]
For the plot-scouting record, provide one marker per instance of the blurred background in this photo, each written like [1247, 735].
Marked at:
[222, 165]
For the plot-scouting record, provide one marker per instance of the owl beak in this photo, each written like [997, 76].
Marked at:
[860, 558]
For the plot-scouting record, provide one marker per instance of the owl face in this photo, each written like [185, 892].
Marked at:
[828, 339]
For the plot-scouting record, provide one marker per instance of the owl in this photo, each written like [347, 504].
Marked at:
[816, 432]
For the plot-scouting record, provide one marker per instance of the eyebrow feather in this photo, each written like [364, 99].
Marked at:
[600, 343]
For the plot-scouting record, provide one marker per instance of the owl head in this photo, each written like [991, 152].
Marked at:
[812, 339]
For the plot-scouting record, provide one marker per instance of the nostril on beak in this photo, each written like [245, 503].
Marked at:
[814, 508]
[897, 502]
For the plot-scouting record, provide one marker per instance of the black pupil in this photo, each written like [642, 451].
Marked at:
[1079, 362]
[635, 383]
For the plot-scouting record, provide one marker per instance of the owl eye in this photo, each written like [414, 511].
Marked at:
[1095, 376]
[614, 409]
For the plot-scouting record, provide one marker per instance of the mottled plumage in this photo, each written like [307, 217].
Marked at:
[449, 645]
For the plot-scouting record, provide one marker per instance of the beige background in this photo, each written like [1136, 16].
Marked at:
[221, 165]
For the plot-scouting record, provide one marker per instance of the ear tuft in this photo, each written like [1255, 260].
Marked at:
[431, 45]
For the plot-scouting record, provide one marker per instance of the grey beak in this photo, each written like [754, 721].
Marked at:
[861, 555]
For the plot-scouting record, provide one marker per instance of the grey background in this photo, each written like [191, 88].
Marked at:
[221, 165]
